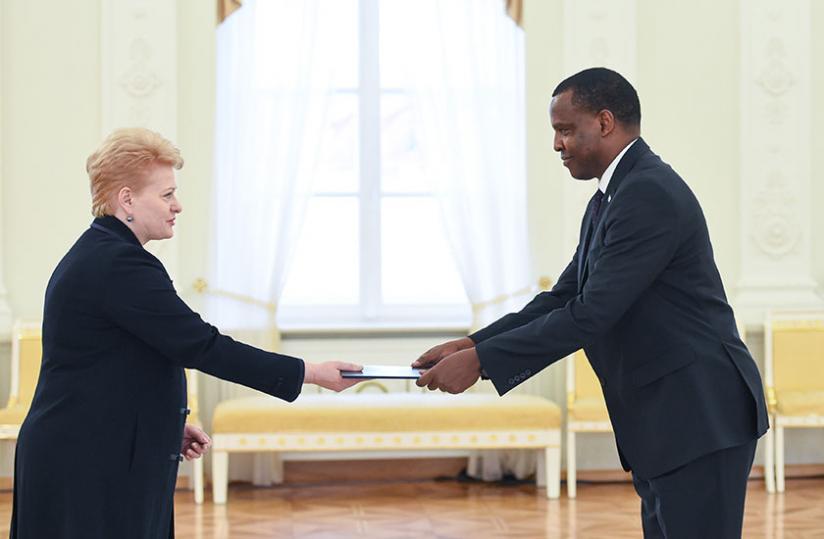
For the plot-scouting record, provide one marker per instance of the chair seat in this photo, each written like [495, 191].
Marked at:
[390, 412]
[14, 415]
[800, 403]
[588, 409]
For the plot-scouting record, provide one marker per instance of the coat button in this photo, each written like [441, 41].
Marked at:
[176, 456]
[185, 411]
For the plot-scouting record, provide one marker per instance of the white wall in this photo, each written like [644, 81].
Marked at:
[51, 118]
[50, 115]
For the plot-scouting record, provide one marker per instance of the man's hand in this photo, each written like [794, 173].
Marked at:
[195, 442]
[328, 374]
[455, 373]
[432, 356]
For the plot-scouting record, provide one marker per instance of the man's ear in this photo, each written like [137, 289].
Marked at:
[607, 121]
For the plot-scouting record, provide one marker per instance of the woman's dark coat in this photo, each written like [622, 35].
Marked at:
[98, 453]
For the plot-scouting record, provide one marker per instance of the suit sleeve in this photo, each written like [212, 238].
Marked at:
[543, 303]
[140, 298]
[640, 238]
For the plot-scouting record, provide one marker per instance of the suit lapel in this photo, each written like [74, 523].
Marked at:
[624, 166]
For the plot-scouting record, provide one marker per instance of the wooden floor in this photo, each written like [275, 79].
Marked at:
[449, 509]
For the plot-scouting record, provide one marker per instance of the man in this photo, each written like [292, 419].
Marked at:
[643, 297]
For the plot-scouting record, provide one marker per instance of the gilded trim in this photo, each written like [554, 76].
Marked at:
[341, 441]
[201, 286]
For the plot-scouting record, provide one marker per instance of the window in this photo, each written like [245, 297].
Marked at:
[373, 249]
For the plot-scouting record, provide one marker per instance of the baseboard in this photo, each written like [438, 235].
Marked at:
[309, 472]
[7, 483]
[371, 470]
[792, 471]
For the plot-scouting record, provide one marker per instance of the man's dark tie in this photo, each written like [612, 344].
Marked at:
[597, 198]
[595, 211]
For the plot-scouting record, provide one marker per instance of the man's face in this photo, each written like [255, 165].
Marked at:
[577, 137]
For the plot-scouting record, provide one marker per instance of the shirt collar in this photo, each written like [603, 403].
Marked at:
[603, 183]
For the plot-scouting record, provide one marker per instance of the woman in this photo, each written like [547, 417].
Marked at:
[98, 453]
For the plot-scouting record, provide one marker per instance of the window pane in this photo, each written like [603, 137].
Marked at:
[393, 38]
[282, 27]
[418, 265]
[337, 170]
[339, 29]
[401, 160]
[325, 269]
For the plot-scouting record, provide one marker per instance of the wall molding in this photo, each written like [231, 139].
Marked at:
[139, 78]
[588, 27]
[776, 156]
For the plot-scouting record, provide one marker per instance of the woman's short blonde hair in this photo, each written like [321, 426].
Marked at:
[122, 160]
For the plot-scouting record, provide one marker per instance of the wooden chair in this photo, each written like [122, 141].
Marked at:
[794, 372]
[586, 409]
[26, 355]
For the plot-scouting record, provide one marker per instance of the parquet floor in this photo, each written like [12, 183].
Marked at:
[446, 510]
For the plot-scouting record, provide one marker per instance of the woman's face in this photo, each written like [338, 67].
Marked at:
[155, 206]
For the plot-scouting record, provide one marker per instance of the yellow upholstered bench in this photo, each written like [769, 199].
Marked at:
[385, 422]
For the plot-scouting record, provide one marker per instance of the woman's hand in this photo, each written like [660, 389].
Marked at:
[328, 374]
[432, 356]
[195, 442]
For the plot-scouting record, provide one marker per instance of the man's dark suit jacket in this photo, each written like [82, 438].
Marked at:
[97, 455]
[646, 303]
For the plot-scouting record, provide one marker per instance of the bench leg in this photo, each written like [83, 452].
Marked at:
[571, 465]
[552, 458]
[197, 479]
[220, 476]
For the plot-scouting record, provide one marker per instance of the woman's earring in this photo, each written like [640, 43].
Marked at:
[129, 218]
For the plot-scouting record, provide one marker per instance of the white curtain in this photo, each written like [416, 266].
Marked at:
[273, 85]
[466, 68]
[272, 94]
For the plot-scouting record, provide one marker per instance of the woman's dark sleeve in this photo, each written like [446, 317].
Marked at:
[140, 298]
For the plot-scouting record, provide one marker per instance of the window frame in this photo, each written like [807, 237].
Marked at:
[371, 312]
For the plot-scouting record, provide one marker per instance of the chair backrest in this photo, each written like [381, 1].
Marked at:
[581, 379]
[794, 350]
[26, 356]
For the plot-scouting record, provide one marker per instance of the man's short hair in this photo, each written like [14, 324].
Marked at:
[599, 88]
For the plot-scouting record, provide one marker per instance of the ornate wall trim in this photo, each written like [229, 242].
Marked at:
[589, 27]
[139, 77]
[776, 152]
